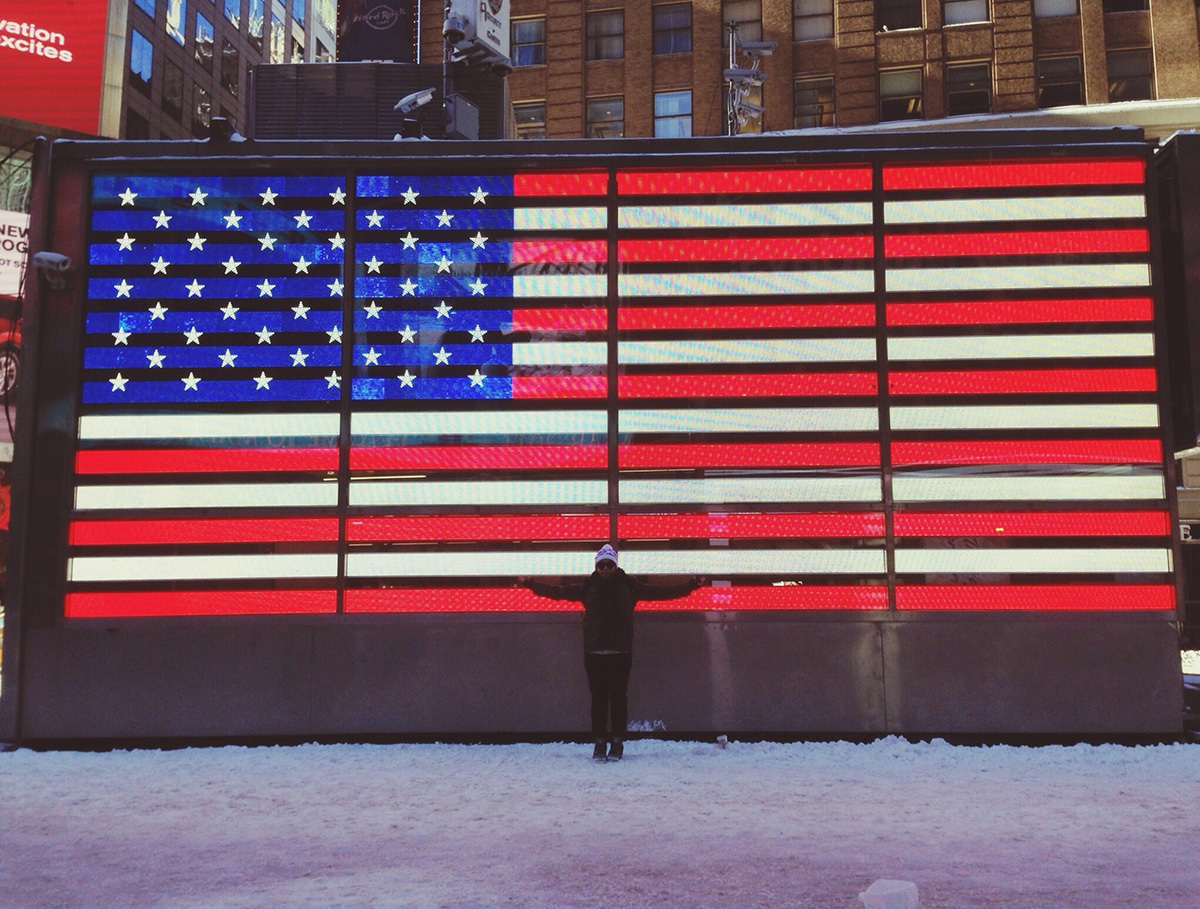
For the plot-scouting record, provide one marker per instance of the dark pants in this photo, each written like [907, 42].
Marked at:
[608, 679]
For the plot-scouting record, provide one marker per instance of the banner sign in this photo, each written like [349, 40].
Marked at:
[377, 30]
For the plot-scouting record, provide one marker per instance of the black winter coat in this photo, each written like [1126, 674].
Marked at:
[608, 604]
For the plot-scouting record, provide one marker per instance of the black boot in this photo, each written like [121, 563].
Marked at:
[616, 750]
[598, 752]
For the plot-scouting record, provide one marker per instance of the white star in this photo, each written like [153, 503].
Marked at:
[190, 382]
[476, 379]
[227, 358]
[162, 219]
[267, 241]
[407, 335]
[406, 379]
[373, 265]
[120, 336]
[193, 336]
[158, 311]
[194, 288]
[335, 335]
[443, 310]
[338, 196]
[478, 240]
[479, 195]
[334, 380]
[156, 359]
[337, 241]
[160, 266]
[371, 357]
[300, 310]
[268, 198]
[262, 380]
[196, 241]
[123, 288]
[477, 286]
[299, 358]
[118, 382]
[264, 289]
[230, 311]
[443, 264]
[409, 287]
[410, 196]
[336, 288]
[372, 310]
[198, 197]
[374, 219]
[302, 219]
[445, 218]
[264, 336]
[231, 265]
[302, 265]
[127, 198]
[125, 242]
[442, 356]
[477, 334]
[233, 219]
[409, 241]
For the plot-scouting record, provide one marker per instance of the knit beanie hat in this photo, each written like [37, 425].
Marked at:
[606, 552]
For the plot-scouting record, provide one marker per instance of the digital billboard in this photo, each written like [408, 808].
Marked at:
[52, 62]
[377, 30]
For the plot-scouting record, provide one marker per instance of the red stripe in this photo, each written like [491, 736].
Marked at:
[707, 599]
[556, 387]
[1028, 597]
[589, 183]
[525, 251]
[199, 603]
[749, 526]
[437, 528]
[1108, 171]
[745, 180]
[591, 319]
[673, 318]
[1033, 524]
[1017, 243]
[227, 530]
[747, 249]
[746, 385]
[791, 454]
[204, 460]
[1057, 451]
[1021, 381]
[479, 457]
[1015, 312]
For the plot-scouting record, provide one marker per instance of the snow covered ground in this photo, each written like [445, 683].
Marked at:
[676, 824]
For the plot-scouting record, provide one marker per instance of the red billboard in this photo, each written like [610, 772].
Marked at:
[52, 62]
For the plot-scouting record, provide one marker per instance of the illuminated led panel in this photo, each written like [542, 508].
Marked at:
[1076, 597]
[1018, 277]
[136, 604]
[205, 495]
[1027, 451]
[1017, 243]
[1032, 524]
[1022, 381]
[201, 567]
[758, 525]
[993, 208]
[1015, 173]
[750, 419]
[1027, 416]
[430, 493]
[1014, 347]
[475, 528]
[1021, 311]
[743, 180]
[149, 531]
[1032, 561]
[749, 454]
[909, 488]
[724, 490]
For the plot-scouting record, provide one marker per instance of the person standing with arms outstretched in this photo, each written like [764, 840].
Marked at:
[609, 597]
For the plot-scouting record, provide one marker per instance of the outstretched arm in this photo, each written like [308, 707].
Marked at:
[573, 592]
[644, 591]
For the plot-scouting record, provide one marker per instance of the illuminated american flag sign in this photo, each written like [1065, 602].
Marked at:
[837, 386]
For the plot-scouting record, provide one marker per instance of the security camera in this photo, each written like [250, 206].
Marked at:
[454, 29]
[51, 261]
[752, 76]
[410, 103]
[757, 48]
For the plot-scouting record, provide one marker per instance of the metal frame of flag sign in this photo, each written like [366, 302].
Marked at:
[870, 384]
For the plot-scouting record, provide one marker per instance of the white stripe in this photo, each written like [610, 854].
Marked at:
[1016, 489]
[1057, 416]
[780, 215]
[1016, 277]
[1016, 561]
[787, 350]
[425, 493]
[1001, 347]
[557, 353]
[202, 567]
[575, 218]
[797, 419]
[962, 211]
[208, 495]
[754, 283]
[208, 426]
[721, 490]
[560, 285]
[479, 423]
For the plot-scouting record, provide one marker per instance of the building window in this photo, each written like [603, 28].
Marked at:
[327, 15]
[233, 12]
[231, 67]
[673, 114]
[150, 8]
[529, 41]
[324, 54]
[812, 102]
[812, 20]
[892, 15]
[299, 12]
[531, 119]
[746, 15]
[172, 94]
[900, 95]
[1059, 81]
[254, 25]
[203, 39]
[1125, 6]
[277, 39]
[297, 49]
[606, 34]
[176, 11]
[968, 89]
[136, 126]
[673, 28]
[960, 12]
[605, 118]
[1130, 75]
[1053, 9]
[141, 62]
[201, 113]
